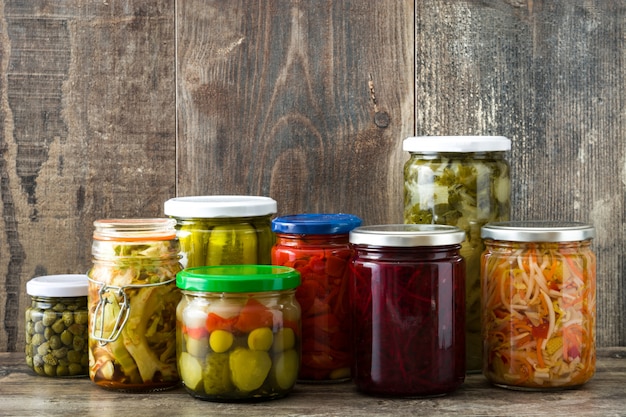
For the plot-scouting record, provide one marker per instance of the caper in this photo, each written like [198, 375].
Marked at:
[49, 359]
[43, 348]
[29, 338]
[74, 356]
[38, 339]
[39, 327]
[62, 370]
[67, 338]
[81, 317]
[35, 315]
[39, 369]
[76, 329]
[49, 317]
[78, 343]
[59, 307]
[60, 353]
[29, 328]
[50, 370]
[29, 361]
[75, 369]
[55, 342]
[64, 362]
[48, 333]
[37, 360]
[59, 326]
[68, 318]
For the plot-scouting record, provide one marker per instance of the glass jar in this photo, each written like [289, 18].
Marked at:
[539, 304]
[460, 181]
[317, 245]
[56, 325]
[223, 229]
[408, 307]
[132, 304]
[238, 332]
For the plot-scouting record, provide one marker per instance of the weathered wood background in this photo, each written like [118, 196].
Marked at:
[109, 108]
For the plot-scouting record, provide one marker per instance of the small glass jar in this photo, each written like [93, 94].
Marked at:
[460, 181]
[317, 245]
[539, 304]
[56, 325]
[223, 229]
[408, 306]
[238, 332]
[132, 304]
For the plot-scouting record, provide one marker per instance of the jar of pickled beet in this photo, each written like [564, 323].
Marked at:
[408, 308]
[318, 246]
[461, 181]
[223, 229]
[238, 332]
[132, 304]
[539, 304]
[56, 325]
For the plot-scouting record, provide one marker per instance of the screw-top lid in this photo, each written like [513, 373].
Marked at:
[538, 231]
[66, 285]
[219, 206]
[238, 278]
[407, 235]
[316, 223]
[459, 144]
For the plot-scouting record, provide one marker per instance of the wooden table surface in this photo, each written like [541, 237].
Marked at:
[25, 394]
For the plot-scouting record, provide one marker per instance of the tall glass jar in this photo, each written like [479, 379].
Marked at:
[408, 307]
[238, 332]
[132, 304]
[223, 229]
[460, 181]
[539, 304]
[56, 325]
[317, 245]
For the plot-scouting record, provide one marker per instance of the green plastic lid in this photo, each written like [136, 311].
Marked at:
[238, 278]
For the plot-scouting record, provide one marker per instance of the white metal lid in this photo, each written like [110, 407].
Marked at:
[220, 206]
[65, 285]
[456, 144]
[407, 235]
[538, 231]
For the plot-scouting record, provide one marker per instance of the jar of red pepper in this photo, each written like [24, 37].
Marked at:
[408, 308]
[317, 245]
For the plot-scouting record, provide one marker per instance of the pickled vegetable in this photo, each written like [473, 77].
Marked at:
[231, 245]
[252, 347]
[138, 353]
[467, 192]
[539, 309]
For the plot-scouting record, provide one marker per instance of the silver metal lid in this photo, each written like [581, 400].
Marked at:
[407, 235]
[538, 231]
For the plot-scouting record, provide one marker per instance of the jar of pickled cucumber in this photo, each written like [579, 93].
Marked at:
[132, 304]
[539, 304]
[317, 245]
[56, 325]
[238, 332]
[223, 229]
[408, 308]
[461, 181]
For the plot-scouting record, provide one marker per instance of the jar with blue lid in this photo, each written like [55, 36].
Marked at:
[238, 332]
[317, 245]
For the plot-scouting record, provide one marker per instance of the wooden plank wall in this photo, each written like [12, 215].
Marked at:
[109, 108]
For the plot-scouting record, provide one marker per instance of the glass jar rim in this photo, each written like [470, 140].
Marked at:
[456, 144]
[134, 229]
[238, 278]
[63, 285]
[215, 206]
[316, 223]
[407, 235]
[538, 231]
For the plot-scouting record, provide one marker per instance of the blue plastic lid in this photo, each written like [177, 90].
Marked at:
[316, 223]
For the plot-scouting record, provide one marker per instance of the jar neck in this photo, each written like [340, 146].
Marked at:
[493, 155]
[133, 251]
[45, 302]
[407, 254]
[510, 246]
[300, 240]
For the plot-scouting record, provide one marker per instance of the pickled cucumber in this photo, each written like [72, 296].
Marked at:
[232, 244]
[190, 369]
[249, 368]
[216, 374]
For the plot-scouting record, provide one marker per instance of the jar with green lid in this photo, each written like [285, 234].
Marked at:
[238, 333]
[223, 229]
[132, 304]
[56, 325]
[461, 181]
[539, 304]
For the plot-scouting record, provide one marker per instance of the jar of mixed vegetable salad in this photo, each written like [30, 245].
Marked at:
[223, 229]
[539, 304]
[408, 308]
[317, 245]
[132, 304]
[238, 332]
[461, 181]
[56, 325]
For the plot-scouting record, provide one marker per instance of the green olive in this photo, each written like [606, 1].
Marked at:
[261, 339]
[220, 340]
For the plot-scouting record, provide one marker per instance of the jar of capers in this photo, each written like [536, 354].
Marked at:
[56, 326]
